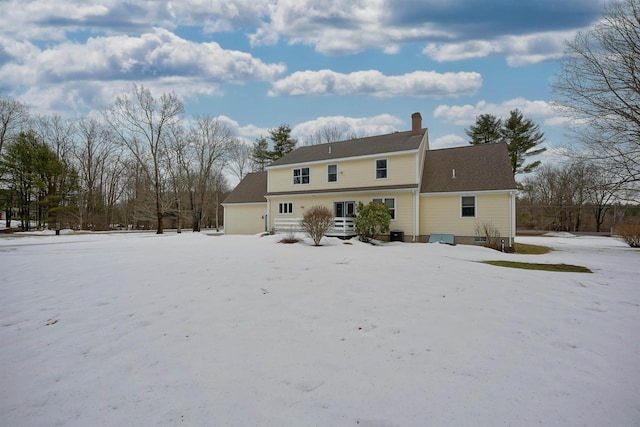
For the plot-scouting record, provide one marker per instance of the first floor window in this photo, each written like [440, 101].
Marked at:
[301, 176]
[390, 203]
[468, 204]
[285, 208]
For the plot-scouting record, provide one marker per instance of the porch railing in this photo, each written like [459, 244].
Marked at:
[342, 226]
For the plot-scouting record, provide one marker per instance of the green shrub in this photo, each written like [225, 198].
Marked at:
[371, 220]
[316, 222]
[630, 233]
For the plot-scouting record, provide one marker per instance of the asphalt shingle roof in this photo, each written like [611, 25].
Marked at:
[398, 141]
[251, 189]
[479, 167]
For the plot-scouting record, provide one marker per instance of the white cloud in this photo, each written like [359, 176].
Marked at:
[447, 141]
[464, 115]
[77, 75]
[374, 83]
[348, 126]
[247, 133]
[75, 98]
[338, 26]
[151, 55]
[519, 50]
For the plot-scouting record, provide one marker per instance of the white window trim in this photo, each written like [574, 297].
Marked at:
[395, 205]
[293, 176]
[331, 182]
[375, 168]
[289, 206]
[475, 206]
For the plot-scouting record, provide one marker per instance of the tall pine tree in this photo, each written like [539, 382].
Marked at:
[486, 130]
[282, 142]
[521, 135]
[260, 154]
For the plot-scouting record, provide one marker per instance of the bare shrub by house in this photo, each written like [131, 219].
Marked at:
[630, 233]
[489, 235]
[316, 222]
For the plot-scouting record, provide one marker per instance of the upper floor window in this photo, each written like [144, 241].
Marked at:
[390, 203]
[301, 176]
[332, 173]
[285, 207]
[381, 168]
[468, 206]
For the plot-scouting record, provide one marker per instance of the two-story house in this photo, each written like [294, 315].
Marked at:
[428, 192]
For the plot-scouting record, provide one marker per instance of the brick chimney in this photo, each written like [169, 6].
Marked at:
[416, 124]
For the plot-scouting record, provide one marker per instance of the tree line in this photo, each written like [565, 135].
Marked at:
[139, 164]
[598, 91]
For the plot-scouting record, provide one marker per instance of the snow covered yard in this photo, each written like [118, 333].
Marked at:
[143, 330]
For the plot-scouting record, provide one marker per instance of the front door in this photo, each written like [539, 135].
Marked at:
[344, 209]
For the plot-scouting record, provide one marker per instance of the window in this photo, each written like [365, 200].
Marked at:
[301, 176]
[285, 208]
[381, 168]
[332, 173]
[390, 203]
[468, 204]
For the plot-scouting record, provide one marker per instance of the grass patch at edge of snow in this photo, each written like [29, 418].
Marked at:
[567, 268]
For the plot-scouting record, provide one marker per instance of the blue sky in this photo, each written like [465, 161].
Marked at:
[361, 65]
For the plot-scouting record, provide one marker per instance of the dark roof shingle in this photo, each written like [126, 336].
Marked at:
[393, 142]
[251, 189]
[479, 167]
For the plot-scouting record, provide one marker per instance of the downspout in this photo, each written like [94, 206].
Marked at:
[512, 217]
[224, 218]
[268, 215]
[416, 213]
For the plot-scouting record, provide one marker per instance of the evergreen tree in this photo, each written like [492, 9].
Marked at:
[31, 169]
[371, 220]
[522, 136]
[486, 130]
[260, 154]
[282, 142]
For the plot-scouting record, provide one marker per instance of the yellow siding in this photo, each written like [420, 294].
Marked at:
[441, 214]
[401, 169]
[404, 220]
[244, 218]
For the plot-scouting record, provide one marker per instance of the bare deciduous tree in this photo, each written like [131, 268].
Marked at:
[13, 117]
[209, 140]
[141, 122]
[599, 88]
[239, 158]
[325, 135]
[557, 197]
[100, 167]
